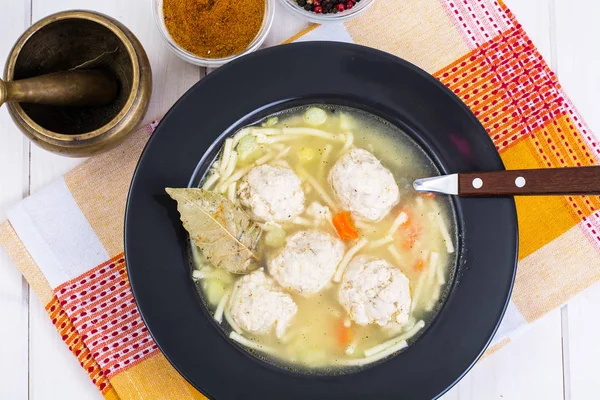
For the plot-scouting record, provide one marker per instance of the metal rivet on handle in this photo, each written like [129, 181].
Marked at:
[520, 182]
[477, 183]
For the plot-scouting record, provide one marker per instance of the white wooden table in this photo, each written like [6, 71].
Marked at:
[556, 359]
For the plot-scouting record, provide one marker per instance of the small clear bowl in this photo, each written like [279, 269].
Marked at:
[157, 10]
[357, 9]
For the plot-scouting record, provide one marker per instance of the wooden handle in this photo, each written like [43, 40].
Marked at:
[69, 88]
[532, 182]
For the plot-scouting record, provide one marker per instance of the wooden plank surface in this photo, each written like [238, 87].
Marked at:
[14, 176]
[578, 67]
[35, 364]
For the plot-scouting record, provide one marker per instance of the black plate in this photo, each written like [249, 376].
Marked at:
[271, 80]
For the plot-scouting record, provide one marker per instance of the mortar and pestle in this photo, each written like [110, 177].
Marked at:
[76, 83]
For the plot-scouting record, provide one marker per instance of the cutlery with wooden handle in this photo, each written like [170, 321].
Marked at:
[529, 182]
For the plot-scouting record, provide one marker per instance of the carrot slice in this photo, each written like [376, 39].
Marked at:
[343, 334]
[345, 226]
[420, 265]
[428, 195]
[412, 235]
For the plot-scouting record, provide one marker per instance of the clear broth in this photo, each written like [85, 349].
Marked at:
[310, 343]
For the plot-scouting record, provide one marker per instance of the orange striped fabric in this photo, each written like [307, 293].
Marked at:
[475, 47]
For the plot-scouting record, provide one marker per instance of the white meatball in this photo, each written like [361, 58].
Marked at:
[374, 292]
[272, 193]
[258, 306]
[363, 185]
[307, 262]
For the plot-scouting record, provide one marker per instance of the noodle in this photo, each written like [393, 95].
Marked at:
[230, 166]
[433, 261]
[249, 343]
[344, 263]
[221, 307]
[417, 292]
[237, 175]
[376, 357]
[231, 322]
[413, 330]
[226, 153]
[211, 180]
[348, 144]
[397, 257]
[434, 298]
[443, 227]
[445, 233]
[313, 182]
[276, 139]
[240, 135]
[234, 177]
[420, 202]
[266, 131]
[324, 158]
[393, 342]
[340, 137]
[381, 242]
[401, 219]
[231, 192]
[282, 153]
[441, 277]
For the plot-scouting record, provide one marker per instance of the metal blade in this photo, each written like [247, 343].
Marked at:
[446, 184]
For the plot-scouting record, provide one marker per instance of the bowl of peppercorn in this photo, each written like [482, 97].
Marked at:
[211, 33]
[323, 11]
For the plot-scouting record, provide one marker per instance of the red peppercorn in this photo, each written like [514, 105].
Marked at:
[316, 3]
[318, 9]
[349, 5]
[341, 7]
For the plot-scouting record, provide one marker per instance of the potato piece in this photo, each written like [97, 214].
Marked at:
[275, 237]
[271, 121]
[222, 276]
[306, 155]
[248, 149]
[315, 116]
[214, 291]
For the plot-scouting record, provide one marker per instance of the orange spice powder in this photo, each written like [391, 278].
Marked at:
[213, 28]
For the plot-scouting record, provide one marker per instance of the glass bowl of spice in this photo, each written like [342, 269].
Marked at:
[211, 33]
[323, 11]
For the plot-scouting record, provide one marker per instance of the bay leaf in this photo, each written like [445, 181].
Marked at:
[223, 231]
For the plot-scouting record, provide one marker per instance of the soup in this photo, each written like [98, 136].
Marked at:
[333, 261]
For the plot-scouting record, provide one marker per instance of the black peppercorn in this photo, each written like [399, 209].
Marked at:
[327, 6]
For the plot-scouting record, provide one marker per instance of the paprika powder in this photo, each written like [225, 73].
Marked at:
[213, 28]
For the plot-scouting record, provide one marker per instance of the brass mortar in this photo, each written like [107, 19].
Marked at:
[72, 41]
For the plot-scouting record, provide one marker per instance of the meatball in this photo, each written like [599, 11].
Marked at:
[258, 306]
[363, 186]
[307, 262]
[374, 292]
[272, 193]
